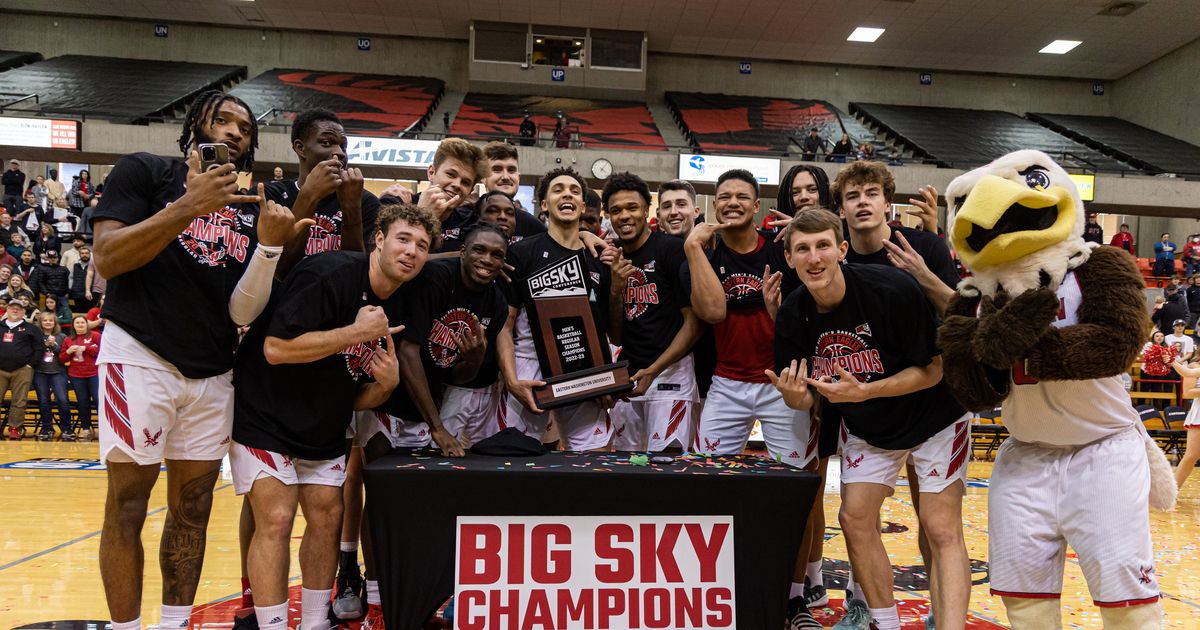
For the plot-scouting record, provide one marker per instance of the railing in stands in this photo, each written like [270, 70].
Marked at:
[9, 104]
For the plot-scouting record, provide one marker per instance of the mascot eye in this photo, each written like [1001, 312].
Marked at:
[1036, 177]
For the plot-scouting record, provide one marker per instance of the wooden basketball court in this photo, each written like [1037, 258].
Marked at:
[52, 501]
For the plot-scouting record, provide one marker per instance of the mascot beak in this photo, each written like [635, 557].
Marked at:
[1002, 221]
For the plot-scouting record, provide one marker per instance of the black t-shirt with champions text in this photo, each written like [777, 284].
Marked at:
[326, 234]
[437, 304]
[883, 326]
[177, 305]
[302, 409]
[657, 290]
[928, 245]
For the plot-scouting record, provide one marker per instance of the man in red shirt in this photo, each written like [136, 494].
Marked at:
[1124, 240]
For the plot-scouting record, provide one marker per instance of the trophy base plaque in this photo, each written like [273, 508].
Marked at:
[568, 389]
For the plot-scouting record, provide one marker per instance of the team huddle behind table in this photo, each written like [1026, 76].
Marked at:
[403, 314]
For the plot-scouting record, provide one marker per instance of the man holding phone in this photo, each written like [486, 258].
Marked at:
[176, 242]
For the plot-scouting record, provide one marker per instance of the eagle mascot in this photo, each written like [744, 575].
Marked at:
[1044, 327]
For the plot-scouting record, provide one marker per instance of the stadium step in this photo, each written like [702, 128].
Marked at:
[670, 131]
[450, 102]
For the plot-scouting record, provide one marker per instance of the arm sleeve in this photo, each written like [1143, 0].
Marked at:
[62, 350]
[254, 288]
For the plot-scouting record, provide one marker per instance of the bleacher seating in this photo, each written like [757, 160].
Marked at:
[12, 58]
[100, 86]
[1144, 148]
[610, 124]
[368, 102]
[965, 138]
[722, 122]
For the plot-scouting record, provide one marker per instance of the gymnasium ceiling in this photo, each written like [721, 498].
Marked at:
[998, 36]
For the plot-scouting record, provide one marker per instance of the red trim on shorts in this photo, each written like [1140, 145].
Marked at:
[502, 409]
[1125, 603]
[262, 456]
[959, 451]
[384, 420]
[814, 437]
[677, 410]
[1027, 595]
[116, 405]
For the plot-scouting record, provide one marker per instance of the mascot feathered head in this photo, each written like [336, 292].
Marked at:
[1017, 224]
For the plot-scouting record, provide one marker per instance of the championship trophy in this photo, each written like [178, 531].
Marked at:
[573, 352]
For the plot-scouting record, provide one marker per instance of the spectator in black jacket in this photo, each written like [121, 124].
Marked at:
[18, 349]
[1192, 293]
[46, 241]
[14, 185]
[80, 291]
[26, 264]
[51, 278]
[1174, 308]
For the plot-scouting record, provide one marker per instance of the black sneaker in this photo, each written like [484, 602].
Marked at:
[69, 437]
[799, 618]
[45, 436]
[815, 596]
[245, 619]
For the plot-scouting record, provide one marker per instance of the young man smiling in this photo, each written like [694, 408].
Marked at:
[504, 174]
[659, 328]
[677, 209]
[583, 426]
[868, 335]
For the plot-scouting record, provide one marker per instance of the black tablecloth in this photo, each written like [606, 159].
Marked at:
[413, 501]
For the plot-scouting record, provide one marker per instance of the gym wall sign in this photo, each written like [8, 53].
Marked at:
[614, 572]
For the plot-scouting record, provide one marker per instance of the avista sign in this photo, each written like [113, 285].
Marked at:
[594, 573]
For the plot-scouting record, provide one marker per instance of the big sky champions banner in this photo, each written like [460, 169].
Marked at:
[602, 572]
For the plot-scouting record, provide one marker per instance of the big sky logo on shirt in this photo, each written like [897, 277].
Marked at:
[443, 349]
[840, 347]
[640, 294]
[213, 239]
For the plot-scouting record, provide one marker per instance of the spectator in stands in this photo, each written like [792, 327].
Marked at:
[79, 290]
[677, 209]
[51, 278]
[528, 131]
[79, 350]
[95, 322]
[842, 148]
[46, 241]
[1092, 230]
[1184, 344]
[1157, 362]
[7, 229]
[5, 274]
[1192, 295]
[16, 288]
[1191, 256]
[562, 134]
[26, 263]
[85, 221]
[41, 194]
[1171, 309]
[866, 151]
[96, 282]
[811, 144]
[1176, 284]
[82, 192]
[14, 185]
[71, 256]
[18, 244]
[50, 379]
[18, 350]
[62, 312]
[1124, 240]
[1164, 256]
[277, 174]
[55, 188]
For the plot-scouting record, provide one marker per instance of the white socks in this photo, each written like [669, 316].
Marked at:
[797, 590]
[886, 618]
[314, 609]
[174, 616]
[373, 593]
[814, 574]
[271, 617]
[136, 624]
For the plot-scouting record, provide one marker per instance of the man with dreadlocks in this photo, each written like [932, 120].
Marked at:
[175, 243]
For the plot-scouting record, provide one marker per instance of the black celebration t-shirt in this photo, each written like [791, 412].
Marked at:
[883, 326]
[326, 234]
[303, 409]
[929, 245]
[439, 304]
[177, 305]
[658, 288]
